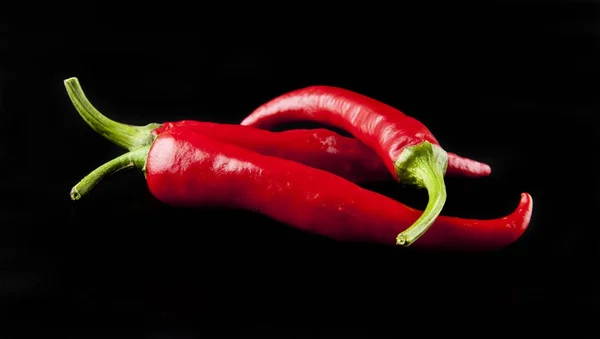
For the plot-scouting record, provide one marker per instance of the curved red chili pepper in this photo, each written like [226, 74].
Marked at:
[185, 168]
[319, 148]
[409, 150]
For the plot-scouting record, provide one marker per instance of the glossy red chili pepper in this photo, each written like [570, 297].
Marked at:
[185, 168]
[409, 150]
[319, 148]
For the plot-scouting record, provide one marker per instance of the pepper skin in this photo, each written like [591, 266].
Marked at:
[318, 148]
[408, 149]
[187, 169]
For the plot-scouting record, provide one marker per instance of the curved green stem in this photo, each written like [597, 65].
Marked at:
[126, 136]
[126, 161]
[423, 165]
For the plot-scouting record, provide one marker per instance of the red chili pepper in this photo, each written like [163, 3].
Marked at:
[185, 168]
[319, 148]
[409, 150]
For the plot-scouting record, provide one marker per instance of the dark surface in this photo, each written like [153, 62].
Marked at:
[516, 89]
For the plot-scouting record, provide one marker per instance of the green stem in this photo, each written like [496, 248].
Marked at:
[423, 165]
[126, 161]
[126, 136]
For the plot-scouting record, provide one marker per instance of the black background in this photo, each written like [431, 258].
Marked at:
[513, 86]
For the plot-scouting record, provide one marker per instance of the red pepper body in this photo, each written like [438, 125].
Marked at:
[318, 148]
[185, 168]
[383, 128]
